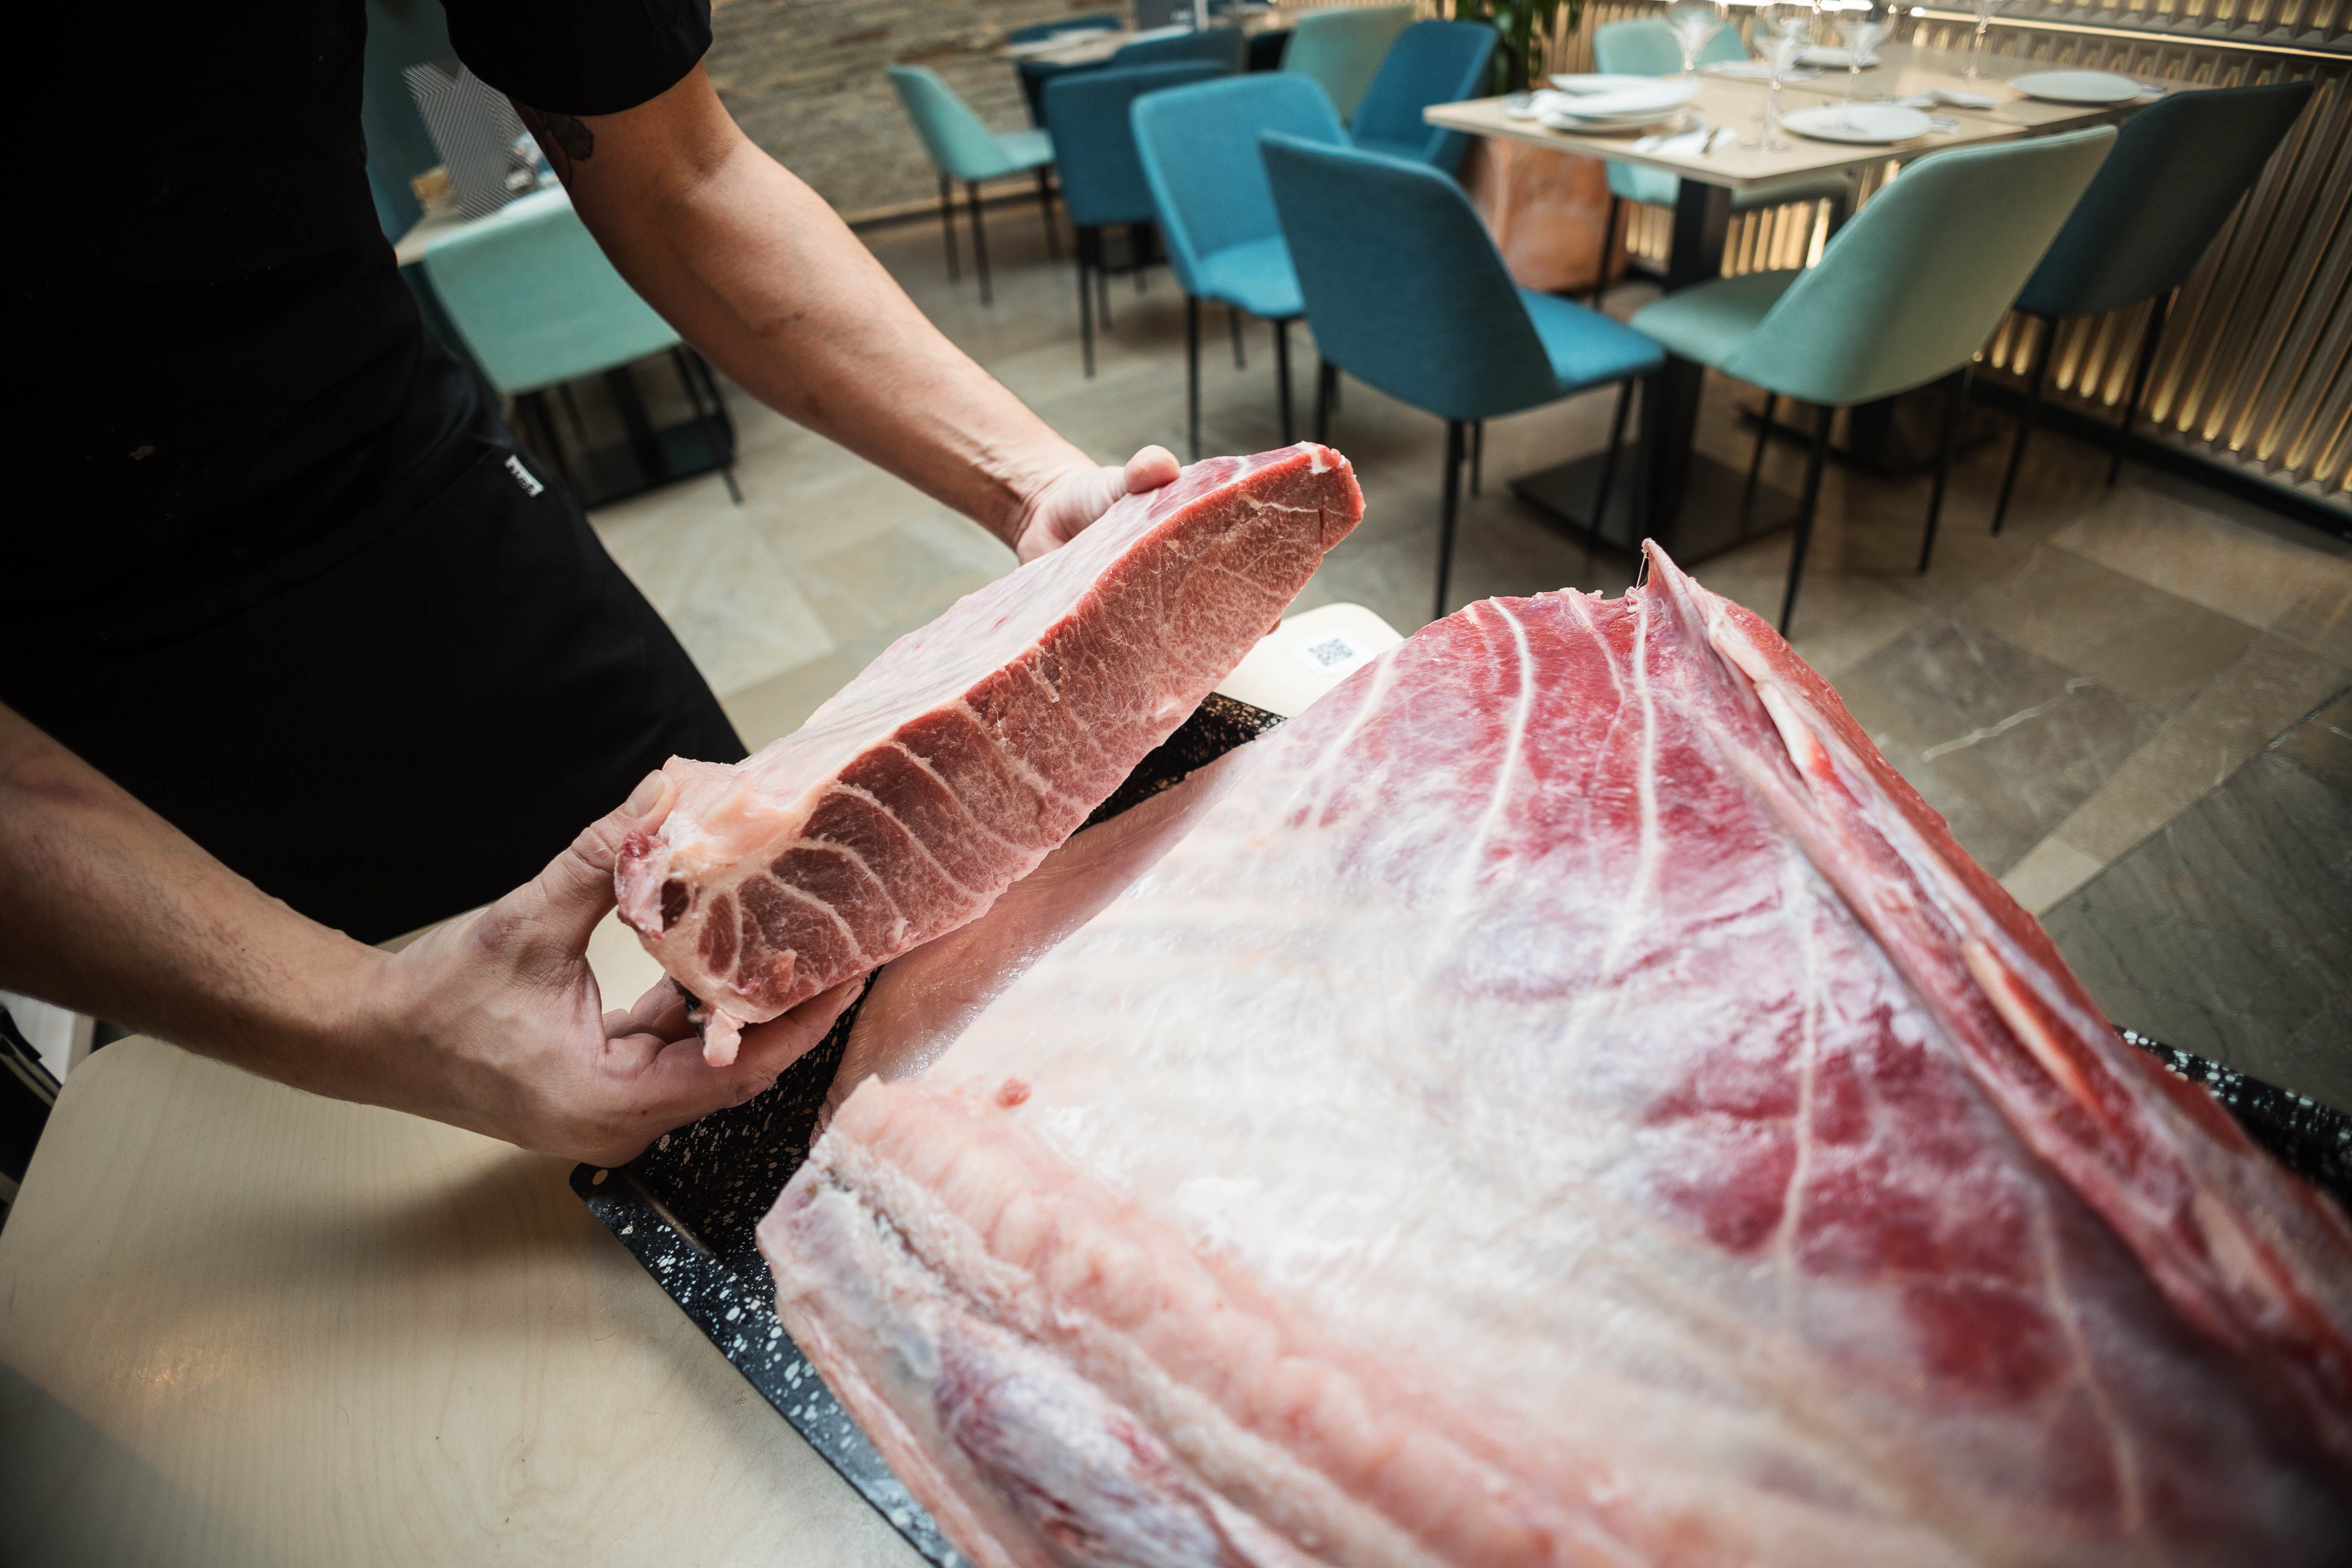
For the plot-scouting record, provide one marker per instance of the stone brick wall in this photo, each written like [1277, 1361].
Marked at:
[805, 80]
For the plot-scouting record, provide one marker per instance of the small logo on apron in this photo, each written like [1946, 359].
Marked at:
[530, 487]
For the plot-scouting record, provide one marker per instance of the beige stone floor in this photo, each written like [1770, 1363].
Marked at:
[2060, 692]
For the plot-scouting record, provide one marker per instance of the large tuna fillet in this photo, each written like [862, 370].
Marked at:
[971, 747]
[1565, 1100]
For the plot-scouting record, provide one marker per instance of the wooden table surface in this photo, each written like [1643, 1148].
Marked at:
[243, 1325]
[1904, 69]
[1083, 46]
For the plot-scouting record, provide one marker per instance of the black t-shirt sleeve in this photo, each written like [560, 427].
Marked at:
[580, 56]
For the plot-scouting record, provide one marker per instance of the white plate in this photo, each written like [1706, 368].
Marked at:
[1580, 125]
[2077, 87]
[1646, 97]
[1584, 82]
[1830, 57]
[1872, 124]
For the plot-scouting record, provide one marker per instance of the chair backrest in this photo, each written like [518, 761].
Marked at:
[534, 299]
[1342, 49]
[1094, 139]
[1096, 22]
[1199, 147]
[1647, 47]
[1403, 284]
[2176, 175]
[1431, 62]
[959, 142]
[1224, 47]
[1912, 286]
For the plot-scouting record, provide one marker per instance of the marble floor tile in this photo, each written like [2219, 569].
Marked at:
[2156, 648]
[2005, 744]
[780, 704]
[2268, 688]
[2050, 871]
[738, 609]
[2229, 932]
[2164, 539]
[2322, 744]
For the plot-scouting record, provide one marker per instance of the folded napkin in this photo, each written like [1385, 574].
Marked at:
[1686, 144]
[1943, 98]
[1535, 105]
[1757, 71]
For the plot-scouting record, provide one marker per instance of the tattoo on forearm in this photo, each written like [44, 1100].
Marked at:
[564, 138]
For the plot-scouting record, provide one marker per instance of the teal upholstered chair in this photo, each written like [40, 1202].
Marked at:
[1199, 148]
[1406, 290]
[1431, 62]
[961, 147]
[1342, 49]
[1226, 46]
[1647, 47]
[1905, 293]
[1102, 177]
[2178, 168]
[529, 292]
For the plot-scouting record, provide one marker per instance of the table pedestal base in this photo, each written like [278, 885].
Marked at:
[1711, 521]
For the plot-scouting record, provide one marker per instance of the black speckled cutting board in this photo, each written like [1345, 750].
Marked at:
[687, 1207]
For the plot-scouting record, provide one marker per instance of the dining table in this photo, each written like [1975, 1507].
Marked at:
[1694, 505]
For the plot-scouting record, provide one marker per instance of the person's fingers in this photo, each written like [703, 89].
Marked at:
[1150, 468]
[661, 1010]
[679, 1086]
[575, 890]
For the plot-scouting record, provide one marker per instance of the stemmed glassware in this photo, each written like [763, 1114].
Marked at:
[1695, 23]
[1863, 25]
[1787, 29]
[1985, 8]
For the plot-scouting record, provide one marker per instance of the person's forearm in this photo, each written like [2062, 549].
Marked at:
[107, 908]
[767, 281]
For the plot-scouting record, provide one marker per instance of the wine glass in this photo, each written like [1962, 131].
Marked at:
[1695, 23]
[1863, 25]
[1786, 27]
[1985, 8]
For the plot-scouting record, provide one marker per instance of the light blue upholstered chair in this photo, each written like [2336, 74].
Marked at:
[1199, 147]
[962, 147]
[1342, 47]
[2178, 168]
[1431, 62]
[1905, 293]
[1647, 47]
[535, 303]
[1102, 177]
[1406, 290]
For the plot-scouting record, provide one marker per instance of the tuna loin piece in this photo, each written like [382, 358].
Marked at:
[1565, 1099]
[970, 748]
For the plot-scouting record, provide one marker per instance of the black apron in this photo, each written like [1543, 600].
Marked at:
[413, 731]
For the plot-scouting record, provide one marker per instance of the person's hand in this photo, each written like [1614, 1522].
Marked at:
[1066, 505]
[508, 1038]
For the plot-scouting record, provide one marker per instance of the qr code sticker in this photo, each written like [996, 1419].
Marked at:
[1332, 652]
[1333, 655]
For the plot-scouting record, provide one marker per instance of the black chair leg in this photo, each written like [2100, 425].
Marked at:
[1193, 373]
[1327, 397]
[947, 227]
[1454, 446]
[1600, 511]
[1085, 242]
[1755, 461]
[1142, 250]
[1607, 252]
[1477, 452]
[1282, 377]
[1234, 321]
[1046, 211]
[2046, 339]
[2140, 367]
[1813, 462]
[1956, 404]
[979, 241]
[1102, 284]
